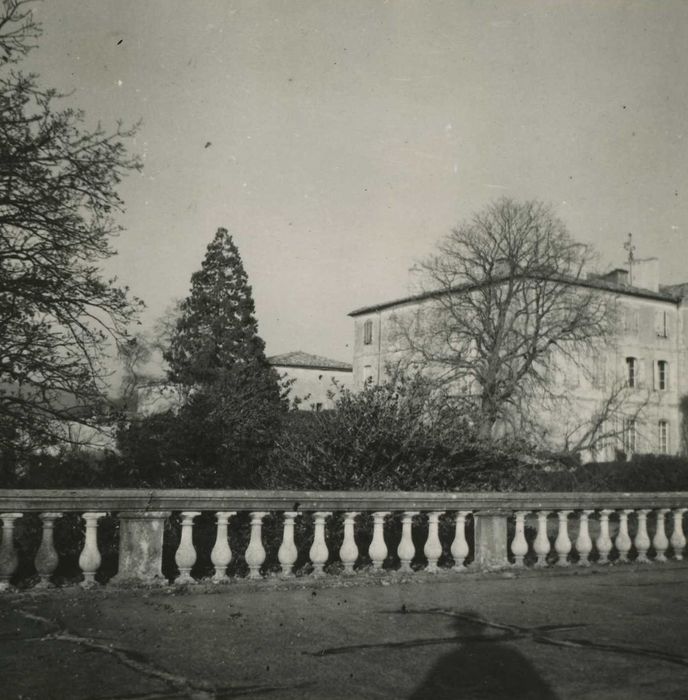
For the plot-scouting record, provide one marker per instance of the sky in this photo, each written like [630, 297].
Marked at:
[340, 141]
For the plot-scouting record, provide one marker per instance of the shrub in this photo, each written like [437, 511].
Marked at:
[643, 473]
[397, 436]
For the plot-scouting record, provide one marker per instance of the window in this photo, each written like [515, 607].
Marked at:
[599, 371]
[662, 375]
[632, 372]
[663, 435]
[629, 436]
[661, 324]
[630, 318]
[572, 376]
[367, 332]
[317, 407]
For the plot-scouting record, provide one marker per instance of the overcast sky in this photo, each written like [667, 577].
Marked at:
[339, 141]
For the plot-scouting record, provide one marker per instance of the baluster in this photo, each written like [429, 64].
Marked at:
[584, 541]
[8, 553]
[519, 545]
[46, 559]
[255, 552]
[642, 539]
[319, 552]
[406, 551]
[541, 545]
[348, 552]
[660, 541]
[678, 539]
[433, 546]
[562, 544]
[623, 540]
[459, 549]
[378, 549]
[185, 556]
[89, 559]
[287, 554]
[221, 553]
[604, 541]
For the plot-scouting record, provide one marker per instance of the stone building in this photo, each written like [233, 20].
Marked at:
[315, 377]
[647, 356]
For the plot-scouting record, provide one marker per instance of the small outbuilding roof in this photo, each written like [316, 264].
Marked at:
[298, 358]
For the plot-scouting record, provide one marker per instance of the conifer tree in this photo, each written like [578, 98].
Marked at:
[228, 423]
[217, 327]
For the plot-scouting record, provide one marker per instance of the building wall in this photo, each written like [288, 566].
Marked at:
[313, 385]
[639, 334]
[371, 359]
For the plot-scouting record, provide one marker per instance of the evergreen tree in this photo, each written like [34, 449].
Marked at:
[227, 425]
[217, 327]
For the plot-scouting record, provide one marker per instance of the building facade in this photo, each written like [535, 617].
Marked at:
[644, 365]
[316, 379]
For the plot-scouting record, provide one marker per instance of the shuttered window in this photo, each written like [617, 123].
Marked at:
[631, 372]
[367, 332]
[663, 436]
[662, 375]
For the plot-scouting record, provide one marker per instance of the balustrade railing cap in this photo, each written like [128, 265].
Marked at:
[115, 500]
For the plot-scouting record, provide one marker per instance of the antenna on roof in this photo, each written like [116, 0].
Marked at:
[630, 248]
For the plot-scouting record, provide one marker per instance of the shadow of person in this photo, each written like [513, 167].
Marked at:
[485, 665]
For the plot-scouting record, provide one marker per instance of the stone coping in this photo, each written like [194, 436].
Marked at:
[115, 500]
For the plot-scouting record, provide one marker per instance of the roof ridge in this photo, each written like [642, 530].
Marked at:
[595, 282]
[300, 358]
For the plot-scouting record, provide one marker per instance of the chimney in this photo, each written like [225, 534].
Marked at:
[645, 274]
[618, 276]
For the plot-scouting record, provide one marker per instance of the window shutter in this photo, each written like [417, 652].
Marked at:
[600, 370]
[655, 376]
[640, 372]
[658, 322]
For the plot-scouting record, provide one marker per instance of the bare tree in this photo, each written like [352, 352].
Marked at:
[58, 195]
[18, 29]
[598, 426]
[142, 362]
[504, 297]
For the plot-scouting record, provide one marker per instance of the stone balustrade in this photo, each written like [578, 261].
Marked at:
[460, 531]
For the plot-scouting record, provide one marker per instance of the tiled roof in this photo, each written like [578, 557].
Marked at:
[298, 358]
[670, 294]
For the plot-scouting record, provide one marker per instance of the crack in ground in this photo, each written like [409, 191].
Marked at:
[509, 633]
[533, 634]
[196, 690]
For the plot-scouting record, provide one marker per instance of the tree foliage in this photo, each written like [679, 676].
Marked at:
[58, 199]
[401, 435]
[232, 405]
[216, 328]
[504, 303]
